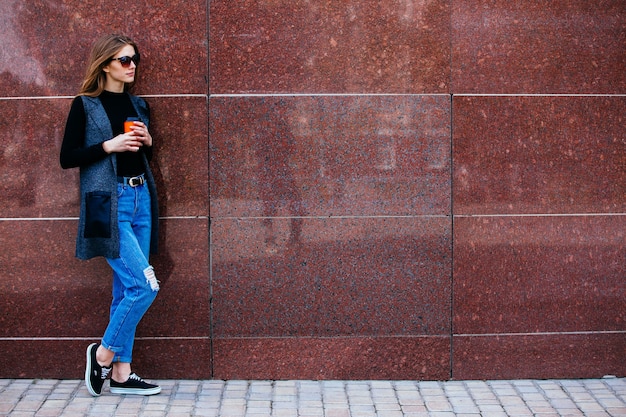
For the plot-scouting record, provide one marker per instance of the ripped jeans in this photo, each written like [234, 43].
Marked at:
[134, 283]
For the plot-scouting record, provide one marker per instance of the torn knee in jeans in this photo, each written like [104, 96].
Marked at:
[151, 278]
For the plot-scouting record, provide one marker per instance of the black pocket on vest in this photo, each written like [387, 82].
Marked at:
[98, 214]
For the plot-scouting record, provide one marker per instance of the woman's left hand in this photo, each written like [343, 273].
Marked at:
[141, 133]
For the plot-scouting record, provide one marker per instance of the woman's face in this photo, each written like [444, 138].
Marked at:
[116, 74]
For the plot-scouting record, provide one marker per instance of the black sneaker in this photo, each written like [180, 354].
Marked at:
[134, 385]
[95, 375]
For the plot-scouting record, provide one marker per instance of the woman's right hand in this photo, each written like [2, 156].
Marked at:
[122, 143]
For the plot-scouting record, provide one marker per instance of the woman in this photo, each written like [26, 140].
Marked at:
[118, 211]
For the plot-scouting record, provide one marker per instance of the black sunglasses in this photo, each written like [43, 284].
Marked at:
[125, 60]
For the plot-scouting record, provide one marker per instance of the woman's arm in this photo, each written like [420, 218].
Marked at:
[73, 152]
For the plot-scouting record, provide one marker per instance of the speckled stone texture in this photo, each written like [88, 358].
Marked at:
[538, 47]
[389, 189]
[330, 156]
[340, 358]
[45, 44]
[329, 47]
[539, 236]
[335, 277]
[539, 274]
[331, 226]
[552, 155]
[538, 355]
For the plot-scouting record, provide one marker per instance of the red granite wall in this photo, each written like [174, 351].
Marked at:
[397, 189]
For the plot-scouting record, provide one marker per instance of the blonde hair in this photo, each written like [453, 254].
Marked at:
[103, 50]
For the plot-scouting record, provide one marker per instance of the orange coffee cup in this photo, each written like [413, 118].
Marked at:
[129, 123]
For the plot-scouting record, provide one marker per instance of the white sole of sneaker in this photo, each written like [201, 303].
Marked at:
[135, 391]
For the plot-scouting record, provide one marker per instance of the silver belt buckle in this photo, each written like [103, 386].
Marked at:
[135, 181]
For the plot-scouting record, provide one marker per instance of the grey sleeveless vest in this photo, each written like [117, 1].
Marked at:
[98, 233]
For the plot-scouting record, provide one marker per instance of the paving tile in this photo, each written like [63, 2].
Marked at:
[573, 398]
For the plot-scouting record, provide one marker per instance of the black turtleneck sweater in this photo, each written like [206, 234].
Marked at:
[73, 153]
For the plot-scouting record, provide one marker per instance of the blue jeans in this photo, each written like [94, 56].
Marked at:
[134, 283]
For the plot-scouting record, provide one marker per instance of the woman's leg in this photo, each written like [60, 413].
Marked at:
[135, 285]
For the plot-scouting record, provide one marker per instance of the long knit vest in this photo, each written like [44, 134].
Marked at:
[98, 232]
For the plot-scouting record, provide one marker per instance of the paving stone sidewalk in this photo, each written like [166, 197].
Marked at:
[544, 398]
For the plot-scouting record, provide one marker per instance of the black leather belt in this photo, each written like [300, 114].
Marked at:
[132, 181]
